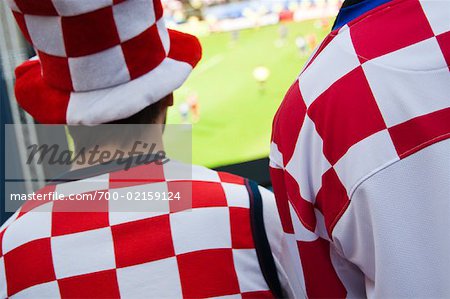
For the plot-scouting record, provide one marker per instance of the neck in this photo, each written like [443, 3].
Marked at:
[100, 154]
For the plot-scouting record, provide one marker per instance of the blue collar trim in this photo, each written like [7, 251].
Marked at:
[349, 13]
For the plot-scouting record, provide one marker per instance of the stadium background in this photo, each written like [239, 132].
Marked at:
[235, 110]
[252, 51]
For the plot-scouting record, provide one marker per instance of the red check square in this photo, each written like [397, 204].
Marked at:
[2, 233]
[258, 295]
[418, 132]
[24, 270]
[65, 221]
[444, 44]
[158, 9]
[46, 193]
[208, 194]
[59, 73]
[303, 208]
[41, 7]
[101, 284]
[138, 175]
[331, 199]
[230, 178]
[208, 273]
[277, 176]
[142, 241]
[345, 114]
[90, 33]
[241, 231]
[376, 36]
[182, 195]
[139, 57]
[286, 130]
[316, 261]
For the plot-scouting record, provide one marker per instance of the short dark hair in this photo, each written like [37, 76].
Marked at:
[87, 137]
[144, 117]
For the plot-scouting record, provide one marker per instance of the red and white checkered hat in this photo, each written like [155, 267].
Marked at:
[98, 60]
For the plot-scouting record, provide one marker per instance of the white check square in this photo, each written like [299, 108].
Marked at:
[361, 160]
[341, 46]
[308, 163]
[150, 280]
[83, 253]
[436, 11]
[86, 75]
[138, 199]
[78, 7]
[200, 173]
[49, 290]
[201, 229]
[35, 224]
[248, 271]
[237, 195]
[141, 11]
[416, 92]
[46, 34]
[82, 186]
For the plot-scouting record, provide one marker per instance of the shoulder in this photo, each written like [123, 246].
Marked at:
[216, 184]
[369, 96]
[233, 186]
[223, 188]
[23, 237]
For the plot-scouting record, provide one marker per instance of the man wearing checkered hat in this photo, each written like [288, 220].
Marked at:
[361, 154]
[114, 62]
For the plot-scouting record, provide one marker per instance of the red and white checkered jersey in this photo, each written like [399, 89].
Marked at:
[360, 157]
[206, 251]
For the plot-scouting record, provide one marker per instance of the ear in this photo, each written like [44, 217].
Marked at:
[168, 100]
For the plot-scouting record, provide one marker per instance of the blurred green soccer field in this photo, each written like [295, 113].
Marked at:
[235, 112]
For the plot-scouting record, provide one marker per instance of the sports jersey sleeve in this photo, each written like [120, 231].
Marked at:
[280, 246]
[307, 240]
[396, 228]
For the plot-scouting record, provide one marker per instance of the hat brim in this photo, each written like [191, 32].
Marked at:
[53, 106]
